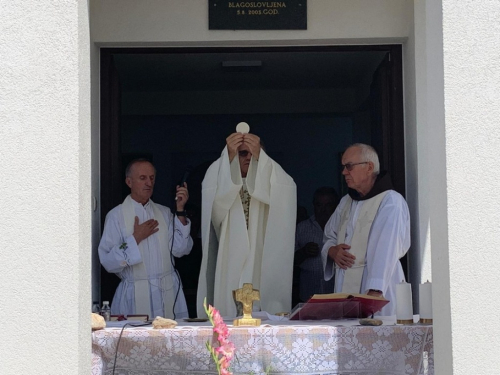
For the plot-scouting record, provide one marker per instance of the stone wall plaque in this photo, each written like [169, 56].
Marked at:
[257, 15]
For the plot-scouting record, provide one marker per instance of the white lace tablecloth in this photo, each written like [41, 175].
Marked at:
[284, 349]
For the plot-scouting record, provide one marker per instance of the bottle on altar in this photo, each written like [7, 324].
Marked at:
[106, 311]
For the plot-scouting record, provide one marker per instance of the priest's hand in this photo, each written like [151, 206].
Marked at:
[375, 293]
[234, 141]
[181, 196]
[144, 230]
[253, 143]
[342, 258]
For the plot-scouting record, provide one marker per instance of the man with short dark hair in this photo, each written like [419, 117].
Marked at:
[308, 244]
[137, 245]
[369, 231]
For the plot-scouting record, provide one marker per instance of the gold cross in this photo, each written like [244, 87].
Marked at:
[246, 296]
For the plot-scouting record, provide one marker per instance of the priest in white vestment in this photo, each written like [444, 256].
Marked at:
[368, 232]
[137, 245]
[248, 228]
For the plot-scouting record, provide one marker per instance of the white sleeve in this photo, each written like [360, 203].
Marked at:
[260, 174]
[228, 187]
[183, 243]
[259, 178]
[389, 241]
[115, 251]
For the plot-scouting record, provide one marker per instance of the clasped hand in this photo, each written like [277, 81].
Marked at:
[342, 258]
[235, 140]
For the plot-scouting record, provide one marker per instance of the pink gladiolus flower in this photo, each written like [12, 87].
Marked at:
[224, 364]
[217, 319]
[224, 352]
[223, 341]
[222, 330]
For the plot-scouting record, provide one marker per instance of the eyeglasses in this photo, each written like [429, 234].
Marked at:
[350, 166]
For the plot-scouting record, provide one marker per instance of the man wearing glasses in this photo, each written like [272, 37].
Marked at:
[368, 232]
[248, 228]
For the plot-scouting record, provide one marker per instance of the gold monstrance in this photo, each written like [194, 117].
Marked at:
[246, 296]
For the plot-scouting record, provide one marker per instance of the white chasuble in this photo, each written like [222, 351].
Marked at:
[234, 253]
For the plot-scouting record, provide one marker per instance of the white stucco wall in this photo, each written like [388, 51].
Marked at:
[471, 57]
[44, 190]
[429, 136]
[419, 63]
[185, 22]
[456, 129]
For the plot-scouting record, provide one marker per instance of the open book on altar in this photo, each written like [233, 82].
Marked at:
[338, 306]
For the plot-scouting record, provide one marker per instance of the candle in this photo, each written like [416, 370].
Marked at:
[425, 302]
[404, 306]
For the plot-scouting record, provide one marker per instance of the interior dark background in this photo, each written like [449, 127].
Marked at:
[177, 108]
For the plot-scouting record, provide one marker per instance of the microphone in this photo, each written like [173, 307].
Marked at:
[189, 168]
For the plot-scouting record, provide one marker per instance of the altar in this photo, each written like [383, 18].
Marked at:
[304, 347]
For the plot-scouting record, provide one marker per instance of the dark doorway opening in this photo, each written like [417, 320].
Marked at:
[176, 106]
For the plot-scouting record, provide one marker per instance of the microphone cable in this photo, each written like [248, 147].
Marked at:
[120, 337]
[172, 262]
[179, 282]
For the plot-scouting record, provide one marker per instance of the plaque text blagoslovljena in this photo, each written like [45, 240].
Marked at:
[258, 15]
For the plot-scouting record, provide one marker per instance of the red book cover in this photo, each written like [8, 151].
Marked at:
[338, 306]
